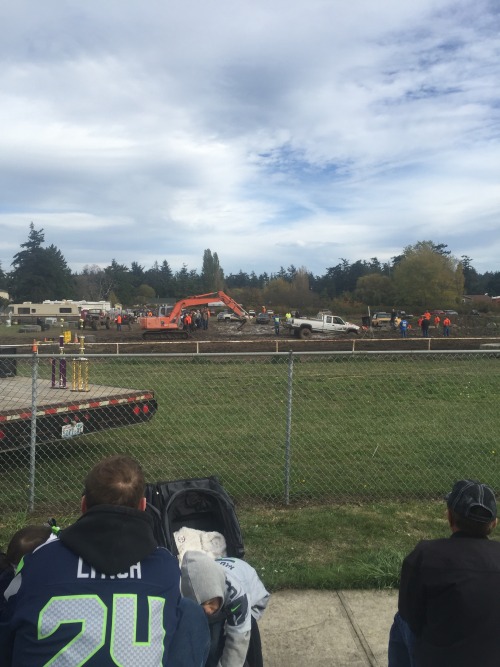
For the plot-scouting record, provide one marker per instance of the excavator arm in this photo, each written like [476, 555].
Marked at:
[169, 324]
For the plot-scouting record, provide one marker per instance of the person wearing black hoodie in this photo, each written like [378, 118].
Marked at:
[449, 595]
[102, 592]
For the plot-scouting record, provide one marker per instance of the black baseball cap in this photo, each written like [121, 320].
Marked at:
[472, 500]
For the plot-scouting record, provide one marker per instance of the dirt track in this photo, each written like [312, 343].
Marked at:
[225, 337]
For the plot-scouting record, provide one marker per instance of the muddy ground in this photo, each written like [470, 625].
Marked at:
[466, 333]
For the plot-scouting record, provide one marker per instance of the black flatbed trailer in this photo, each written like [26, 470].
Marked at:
[62, 413]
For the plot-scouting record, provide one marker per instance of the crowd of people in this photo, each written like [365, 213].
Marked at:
[103, 592]
[195, 319]
[400, 321]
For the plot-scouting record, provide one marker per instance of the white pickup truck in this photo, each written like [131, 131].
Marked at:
[303, 327]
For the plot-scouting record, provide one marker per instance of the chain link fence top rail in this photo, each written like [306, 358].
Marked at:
[314, 427]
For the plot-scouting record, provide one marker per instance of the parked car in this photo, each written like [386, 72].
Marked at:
[263, 318]
[252, 312]
[226, 316]
[439, 312]
[450, 312]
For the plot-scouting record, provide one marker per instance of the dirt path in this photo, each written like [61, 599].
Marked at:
[225, 337]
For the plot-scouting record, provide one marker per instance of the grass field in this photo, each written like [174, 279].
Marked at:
[330, 547]
[375, 440]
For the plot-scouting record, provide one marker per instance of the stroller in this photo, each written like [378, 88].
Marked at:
[202, 504]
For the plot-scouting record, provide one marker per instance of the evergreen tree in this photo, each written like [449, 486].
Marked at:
[182, 282]
[3, 278]
[39, 273]
[136, 274]
[472, 280]
[235, 280]
[121, 283]
[167, 283]
[492, 283]
[212, 275]
[152, 277]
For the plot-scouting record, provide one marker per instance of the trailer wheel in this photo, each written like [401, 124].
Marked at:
[305, 333]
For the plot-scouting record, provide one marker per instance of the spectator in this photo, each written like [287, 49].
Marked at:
[276, 320]
[425, 326]
[233, 596]
[449, 596]
[23, 542]
[403, 327]
[446, 326]
[205, 315]
[102, 574]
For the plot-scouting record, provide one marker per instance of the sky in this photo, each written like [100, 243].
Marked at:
[271, 132]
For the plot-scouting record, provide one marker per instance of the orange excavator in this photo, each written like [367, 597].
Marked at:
[164, 327]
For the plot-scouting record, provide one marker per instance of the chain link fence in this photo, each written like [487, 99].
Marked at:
[276, 428]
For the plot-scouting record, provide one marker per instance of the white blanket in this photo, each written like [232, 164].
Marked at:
[190, 539]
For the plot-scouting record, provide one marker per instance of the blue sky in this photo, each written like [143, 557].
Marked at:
[273, 133]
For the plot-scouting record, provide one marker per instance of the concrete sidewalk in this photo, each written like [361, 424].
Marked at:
[327, 628]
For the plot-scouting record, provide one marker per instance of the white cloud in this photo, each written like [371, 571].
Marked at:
[272, 133]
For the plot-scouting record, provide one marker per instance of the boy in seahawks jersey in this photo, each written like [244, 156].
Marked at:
[233, 597]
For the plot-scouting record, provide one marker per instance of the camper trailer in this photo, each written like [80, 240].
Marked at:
[33, 313]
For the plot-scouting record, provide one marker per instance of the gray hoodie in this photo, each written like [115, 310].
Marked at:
[243, 596]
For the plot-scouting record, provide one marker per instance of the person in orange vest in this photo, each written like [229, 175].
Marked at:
[187, 322]
[446, 326]
[437, 320]
[119, 322]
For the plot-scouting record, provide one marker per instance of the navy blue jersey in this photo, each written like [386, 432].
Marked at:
[62, 612]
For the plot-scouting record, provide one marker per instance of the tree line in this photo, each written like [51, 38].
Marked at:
[424, 275]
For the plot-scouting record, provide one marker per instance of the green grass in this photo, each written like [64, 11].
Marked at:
[375, 442]
[322, 547]
[362, 428]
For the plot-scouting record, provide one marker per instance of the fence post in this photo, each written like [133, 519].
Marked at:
[288, 436]
[34, 388]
